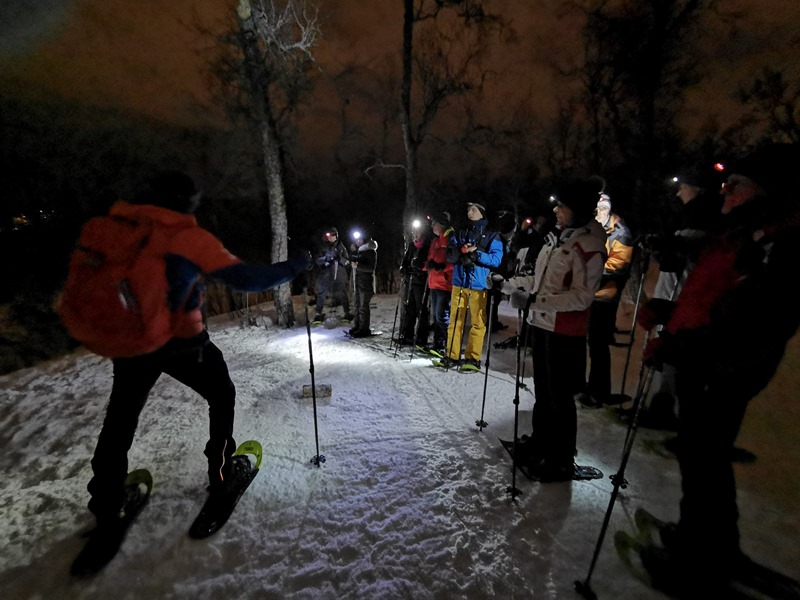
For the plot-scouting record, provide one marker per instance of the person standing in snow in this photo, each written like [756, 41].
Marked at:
[189, 357]
[332, 276]
[603, 315]
[414, 323]
[440, 282]
[557, 300]
[363, 260]
[472, 251]
[506, 226]
[725, 336]
[676, 253]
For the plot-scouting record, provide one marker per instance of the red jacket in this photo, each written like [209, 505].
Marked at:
[440, 272]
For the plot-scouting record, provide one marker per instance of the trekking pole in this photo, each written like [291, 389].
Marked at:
[396, 310]
[466, 310]
[420, 312]
[454, 323]
[403, 315]
[513, 488]
[318, 458]
[480, 422]
[353, 277]
[621, 397]
[583, 587]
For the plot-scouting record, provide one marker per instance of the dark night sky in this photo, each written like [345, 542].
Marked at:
[143, 55]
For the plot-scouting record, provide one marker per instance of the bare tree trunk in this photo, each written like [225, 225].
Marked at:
[405, 115]
[273, 169]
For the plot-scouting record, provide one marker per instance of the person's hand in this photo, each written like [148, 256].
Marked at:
[520, 299]
[654, 312]
[435, 266]
[467, 248]
[653, 353]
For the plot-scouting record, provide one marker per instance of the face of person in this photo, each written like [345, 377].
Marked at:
[474, 213]
[738, 190]
[563, 214]
[331, 237]
[437, 228]
[601, 215]
[687, 192]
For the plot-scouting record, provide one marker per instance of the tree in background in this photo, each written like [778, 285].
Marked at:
[276, 39]
[774, 107]
[445, 63]
[638, 60]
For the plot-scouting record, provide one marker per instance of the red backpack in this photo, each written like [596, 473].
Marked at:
[114, 300]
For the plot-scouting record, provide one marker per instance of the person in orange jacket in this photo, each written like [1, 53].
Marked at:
[189, 357]
[603, 316]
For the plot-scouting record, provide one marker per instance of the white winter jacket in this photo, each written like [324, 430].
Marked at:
[567, 275]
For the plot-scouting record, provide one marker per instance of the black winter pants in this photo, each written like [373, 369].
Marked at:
[416, 308]
[557, 377]
[196, 363]
[602, 322]
[711, 410]
[365, 288]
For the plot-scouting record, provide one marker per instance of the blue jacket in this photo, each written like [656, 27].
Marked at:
[471, 270]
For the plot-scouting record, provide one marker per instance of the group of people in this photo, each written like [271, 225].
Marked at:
[722, 326]
[713, 350]
[333, 263]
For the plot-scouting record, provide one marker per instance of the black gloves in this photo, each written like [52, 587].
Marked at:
[432, 265]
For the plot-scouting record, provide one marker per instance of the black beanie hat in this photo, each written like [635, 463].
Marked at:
[506, 221]
[581, 197]
[773, 167]
[174, 190]
[443, 218]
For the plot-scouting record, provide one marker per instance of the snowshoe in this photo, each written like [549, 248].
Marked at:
[446, 363]
[470, 365]
[105, 540]
[222, 501]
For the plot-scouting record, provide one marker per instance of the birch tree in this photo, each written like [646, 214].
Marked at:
[276, 39]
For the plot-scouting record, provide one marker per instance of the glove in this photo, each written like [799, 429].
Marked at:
[654, 353]
[655, 312]
[432, 265]
[521, 299]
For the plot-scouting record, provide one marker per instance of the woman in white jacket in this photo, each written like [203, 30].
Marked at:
[556, 301]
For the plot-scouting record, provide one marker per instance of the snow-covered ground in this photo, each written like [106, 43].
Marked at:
[412, 501]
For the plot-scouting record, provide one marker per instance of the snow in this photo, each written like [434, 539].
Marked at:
[411, 502]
